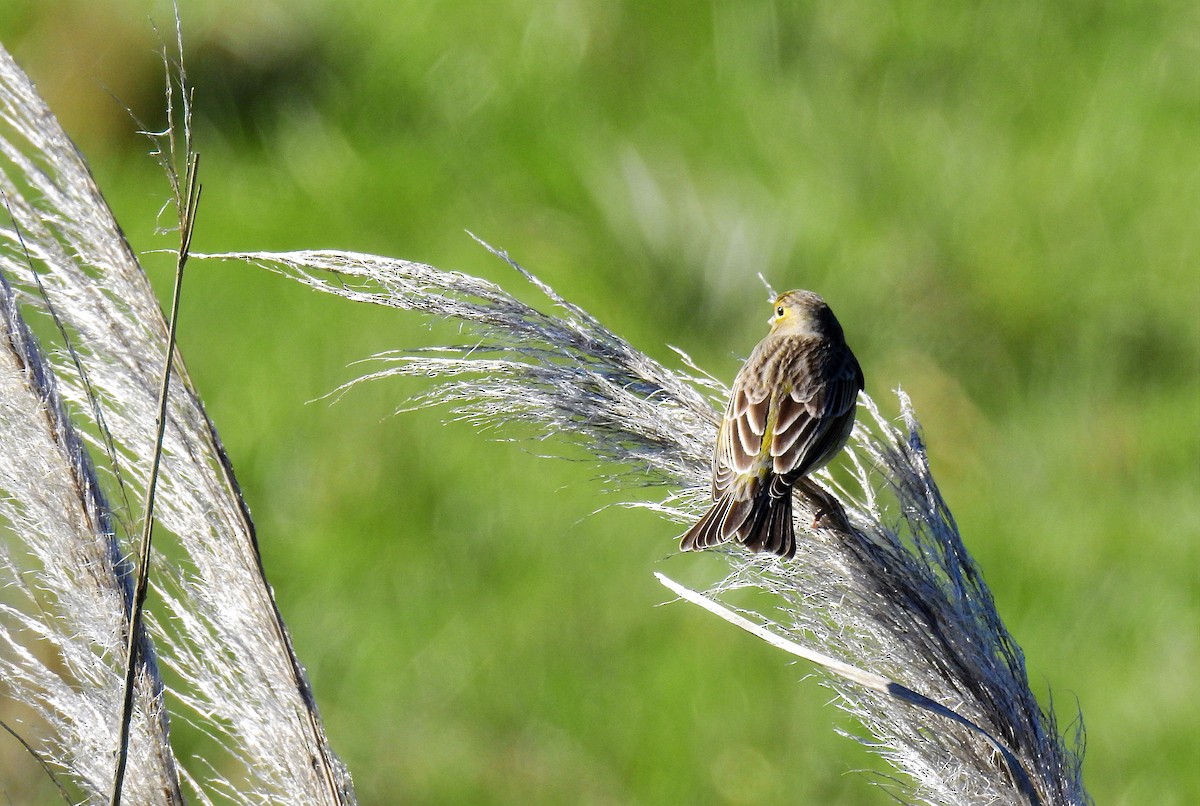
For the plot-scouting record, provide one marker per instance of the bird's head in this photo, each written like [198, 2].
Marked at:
[803, 313]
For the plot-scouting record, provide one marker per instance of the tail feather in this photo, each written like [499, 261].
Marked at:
[763, 523]
[705, 532]
[771, 529]
[723, 521]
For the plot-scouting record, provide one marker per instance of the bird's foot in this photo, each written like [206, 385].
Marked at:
[832, 517]
[828, 512]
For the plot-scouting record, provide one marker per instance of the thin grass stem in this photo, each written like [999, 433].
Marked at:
[186, 226]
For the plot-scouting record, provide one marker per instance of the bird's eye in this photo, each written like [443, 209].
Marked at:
[779, 311]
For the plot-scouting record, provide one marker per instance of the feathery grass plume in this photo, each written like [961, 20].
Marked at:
[67, 589]
[213, 616]
[896, 597]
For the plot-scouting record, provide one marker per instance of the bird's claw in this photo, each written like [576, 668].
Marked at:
[830, 514]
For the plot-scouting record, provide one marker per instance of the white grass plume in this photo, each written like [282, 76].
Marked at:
[896, 597]
[64, 615]
[213, 617]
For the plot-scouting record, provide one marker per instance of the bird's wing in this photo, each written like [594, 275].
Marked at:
[740, 441]
[814, 418]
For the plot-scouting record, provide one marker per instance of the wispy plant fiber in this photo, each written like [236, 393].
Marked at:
[67, 589]
[213, 617]
[896, 595]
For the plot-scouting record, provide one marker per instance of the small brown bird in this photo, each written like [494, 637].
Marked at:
[790, 411]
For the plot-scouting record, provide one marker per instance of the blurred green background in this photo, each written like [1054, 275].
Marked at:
[999, 200]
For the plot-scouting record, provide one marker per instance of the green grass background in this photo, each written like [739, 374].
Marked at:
[999, 200]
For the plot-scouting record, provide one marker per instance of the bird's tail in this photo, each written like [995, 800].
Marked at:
[762, 523]
[771, 528]
[725, 519]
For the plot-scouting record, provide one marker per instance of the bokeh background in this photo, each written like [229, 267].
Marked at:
[999, 200]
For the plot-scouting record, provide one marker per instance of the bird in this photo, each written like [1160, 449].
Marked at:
[791, 410]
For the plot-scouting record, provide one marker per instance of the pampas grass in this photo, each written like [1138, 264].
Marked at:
[77, 448]
[893, 606]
